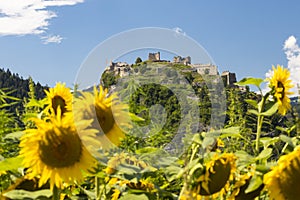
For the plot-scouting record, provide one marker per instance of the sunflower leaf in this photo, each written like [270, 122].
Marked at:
[134, 196]
[244, 158]
[253, 112]
[11, 163]
[251, 102]
[250, 81]
[254, 184]
[271, 110]
[173, 172]
[287, 140]
[264, 154]
[14, 135]
[23, 194]
[267, 141]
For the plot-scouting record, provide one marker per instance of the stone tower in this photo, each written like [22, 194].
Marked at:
[154, 56]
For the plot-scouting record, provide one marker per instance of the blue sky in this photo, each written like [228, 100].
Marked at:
[51, 41]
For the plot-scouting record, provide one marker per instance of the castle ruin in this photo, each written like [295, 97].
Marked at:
[229, 78]
[206, 69]
[154, 56]
[181, 60]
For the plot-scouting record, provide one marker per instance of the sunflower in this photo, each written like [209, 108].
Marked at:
[142, 184]
[107, 113]
[124, 158]
[281, 84]
[241, 185]
[214, 181]
[54, 151]
[59, 97]
[116, 194]
[282, 182]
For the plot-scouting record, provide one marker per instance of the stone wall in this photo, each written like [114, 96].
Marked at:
[206, 69]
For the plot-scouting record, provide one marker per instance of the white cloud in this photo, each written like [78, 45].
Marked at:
[179, 31]
[292, 51]
[52, 39]
[24, 17]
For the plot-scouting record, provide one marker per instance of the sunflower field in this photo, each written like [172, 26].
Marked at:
[87, 145]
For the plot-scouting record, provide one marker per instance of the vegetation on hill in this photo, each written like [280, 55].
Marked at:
[18, 87]
[185, 137]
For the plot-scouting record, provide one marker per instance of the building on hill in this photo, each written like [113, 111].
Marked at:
[119, 68]
[229, 79]
[154, 56]
[181, 60]
[206, 69]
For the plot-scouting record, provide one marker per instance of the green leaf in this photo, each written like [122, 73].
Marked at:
[172, 172]
[11, 163]
[35, 103]
[208, 142]
[271, 110]
[250, 81]
[134, 196]
[23, 194]
[197, 139]
[267, 141]
[14, 135]
[231, 135]
[230, 130]
[266, 153]
[195, 168]
[147, 150]
[263, 168]
[244, 158]
[128, 169]
[251, 102]
[253, 112]
[136, 118]
[254, 184]
[7, 104]
[166, 161]
[287, 139]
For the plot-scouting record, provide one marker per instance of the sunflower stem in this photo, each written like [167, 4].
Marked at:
[97, 187]
[194, 150]
[56, 193]
[260, 119]
[258, 132]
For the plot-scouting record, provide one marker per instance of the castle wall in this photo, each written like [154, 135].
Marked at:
[206, 69]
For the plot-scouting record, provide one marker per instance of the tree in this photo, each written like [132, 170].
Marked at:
[138, 60]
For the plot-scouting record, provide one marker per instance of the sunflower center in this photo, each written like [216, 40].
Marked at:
[59, 101]
[290, 176]
[62, 150]
[280, 85]
[218, 178]
[105, 118]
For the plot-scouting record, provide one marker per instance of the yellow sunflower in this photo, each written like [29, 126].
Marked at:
[281, 84]
[214, 182]
[241, 185]
[282, 182]
[142, 184]
[107, 113]
[59, 96]
[116, 194]
[53, 151]
[124, 158]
